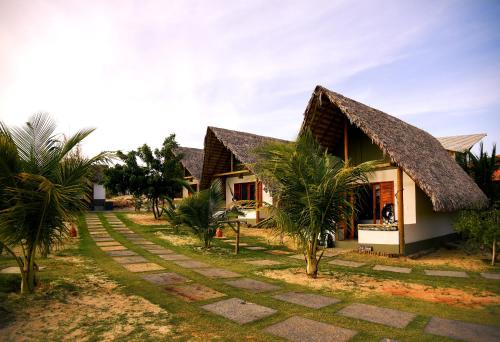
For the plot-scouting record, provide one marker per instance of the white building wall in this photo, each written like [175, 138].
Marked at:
[390, 175]
[266, 195]
[421, 221]
[185, 192]
[99, 192]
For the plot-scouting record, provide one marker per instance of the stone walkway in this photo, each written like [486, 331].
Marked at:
[294, 328]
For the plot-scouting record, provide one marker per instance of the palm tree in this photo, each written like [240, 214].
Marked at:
[43, 187]
[312, 190]
[481, 168]
[204, 212]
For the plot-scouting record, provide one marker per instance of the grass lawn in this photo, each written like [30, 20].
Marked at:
[83, 270]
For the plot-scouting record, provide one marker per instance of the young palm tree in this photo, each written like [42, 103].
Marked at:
[42, 188]
[204, 212]
[312, 189]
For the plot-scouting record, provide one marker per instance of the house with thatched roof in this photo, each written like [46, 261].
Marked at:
[228, 155]
[192, 161]
[416, 181]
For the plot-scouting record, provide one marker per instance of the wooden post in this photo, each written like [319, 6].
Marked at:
[257, 202]
[351, 198]
[237, 246]
[401, 219]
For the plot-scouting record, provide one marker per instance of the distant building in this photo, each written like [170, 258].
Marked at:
[192, 161]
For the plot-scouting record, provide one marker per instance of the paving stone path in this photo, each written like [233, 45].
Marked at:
[303, 329]
[494, 276]
[375, 314]
[455, 274]
[309, 300]
[346, 263]
[392, 269]
[294, 328]
[252, 285]
[239, 311]
[462, 331]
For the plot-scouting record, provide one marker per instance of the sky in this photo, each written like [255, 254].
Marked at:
[138, 71]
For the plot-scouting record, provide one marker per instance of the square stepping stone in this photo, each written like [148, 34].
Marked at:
[494, 276]
[130, 259]
[302, 329]
[142, 242]
[194, 292]
[256, 248]
[172, 257]
[239, 311]
[241, 244]
[153, 247]
[455, 274]
[121, 253]
[108, 243]
[462, 330]
[103, 239]
[252, 285]
[278, 252]
[162, 251]
[309, 300]
[217, 273]
[98, 231]
[167, 278]
[143, 267]
[11, 270]
[375, 314]
[346, 263]
[263, 262]
[392, 269]
[191, 264]
[114, 248]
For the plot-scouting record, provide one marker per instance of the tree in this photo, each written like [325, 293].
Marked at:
[311, 190]
[481, 226]
[481, 169]
[43, 187]
[204, 212]
[158, 176]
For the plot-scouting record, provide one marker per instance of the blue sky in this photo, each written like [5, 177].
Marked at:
[139, 70]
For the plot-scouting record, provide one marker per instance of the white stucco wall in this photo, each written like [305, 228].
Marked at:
[390, 175]
[185, 192]
[421, 221]
[378, 237]
[266, 196]
[99, 191]
[430, 224]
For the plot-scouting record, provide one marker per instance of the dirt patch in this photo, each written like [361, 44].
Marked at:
[90, 308]
[178, 240]
[268, 236]
[365, 285]
[454, 258]
[146, 219]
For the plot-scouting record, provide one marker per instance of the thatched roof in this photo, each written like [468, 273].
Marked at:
[220, 143]
[460, 143]
[417, 152]
[192, 160]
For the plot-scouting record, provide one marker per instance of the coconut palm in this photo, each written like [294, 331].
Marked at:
[311, 190]
[43, 187]
[204, 212]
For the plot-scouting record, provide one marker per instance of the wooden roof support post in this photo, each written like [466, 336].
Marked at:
[401, 221]
[348, 234]
[257, 201]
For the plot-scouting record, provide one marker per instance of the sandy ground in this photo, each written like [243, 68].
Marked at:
[442, 257]
[267, 236]
[83, 310]
[362, 286]
[145, 219]
[179, 240]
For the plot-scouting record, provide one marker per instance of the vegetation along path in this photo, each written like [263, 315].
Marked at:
[232, 297]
